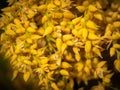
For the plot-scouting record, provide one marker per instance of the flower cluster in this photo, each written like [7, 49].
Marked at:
[59, 41]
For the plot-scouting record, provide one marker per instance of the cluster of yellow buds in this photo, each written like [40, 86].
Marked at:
[59, 41]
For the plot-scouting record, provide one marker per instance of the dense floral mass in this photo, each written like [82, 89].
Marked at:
[59, 41]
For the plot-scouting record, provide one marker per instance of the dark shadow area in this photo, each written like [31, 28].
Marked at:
[116, 80]
[18, 84]
[5, 82]
[5, 74]
[3, 4]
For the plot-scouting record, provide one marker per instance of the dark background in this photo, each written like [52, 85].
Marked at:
[2, 4]
[5, 82]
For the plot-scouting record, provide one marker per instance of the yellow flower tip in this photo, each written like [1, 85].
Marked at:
[58, 43]
[10, 32]
[51, 6]
[75, 21]
[42, 8]
[31, 30]
[92, 25]
[88, 46]
[81, 9]
[67, 37]
[101, 64]
[64, 72]
[79, 66]
[98, 16]
[57, 2]
[93, 36]
[26, 76]
[68, 15]
[48, 30]
[97, 51]
[92, 8]
[112, 51]
[54, 86]
[65, 65]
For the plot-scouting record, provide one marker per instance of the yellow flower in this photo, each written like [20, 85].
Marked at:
[88, 46]
[64, 72]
